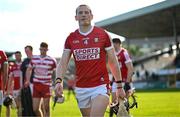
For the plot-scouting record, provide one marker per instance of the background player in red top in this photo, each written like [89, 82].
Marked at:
[16, 81]
[89, 46]
[3, 75]
[126, 68]
[43, 67]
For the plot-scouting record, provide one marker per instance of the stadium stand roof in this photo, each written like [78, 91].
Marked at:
[158, 20]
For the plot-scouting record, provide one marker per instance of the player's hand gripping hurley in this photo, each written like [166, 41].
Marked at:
[59, 96]
[119, 107]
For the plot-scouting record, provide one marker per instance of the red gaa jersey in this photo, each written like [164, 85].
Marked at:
[123, 58]
[3, 58]
[15, 73]
[89, 52]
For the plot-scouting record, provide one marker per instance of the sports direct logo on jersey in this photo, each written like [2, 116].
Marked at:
[87, 54]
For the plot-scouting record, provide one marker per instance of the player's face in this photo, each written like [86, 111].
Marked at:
[18, 57]
[43, 50]
[84, 16]
[28, 51]
[116, 46]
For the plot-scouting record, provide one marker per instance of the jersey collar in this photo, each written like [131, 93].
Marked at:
[85, 34]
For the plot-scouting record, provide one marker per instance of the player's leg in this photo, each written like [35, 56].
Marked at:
[46, 99]
[99, 105]
[42, 107]
[46, 103]
[18, 106]
[16, 94]
[83, 99]
[16, 100]
[85, 112]
[36, 106]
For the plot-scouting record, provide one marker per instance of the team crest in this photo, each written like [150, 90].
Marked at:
[85, 41]
[96, 40]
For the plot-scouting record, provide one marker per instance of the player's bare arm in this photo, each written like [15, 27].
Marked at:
[5, 72]
[60, 72]
[130, 68]
[114, 67]
[10, 83]
[28, 76]
[113, 64]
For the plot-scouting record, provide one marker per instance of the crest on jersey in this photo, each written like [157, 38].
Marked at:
[96, 40]
[85, 41]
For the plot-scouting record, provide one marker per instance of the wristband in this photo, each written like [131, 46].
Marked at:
[58, 80]
[119, 81]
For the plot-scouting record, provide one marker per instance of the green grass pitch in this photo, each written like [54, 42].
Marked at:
[154, 103]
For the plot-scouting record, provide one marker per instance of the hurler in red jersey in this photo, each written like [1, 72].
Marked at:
[123, 59]
[89, 51]
[91, 48]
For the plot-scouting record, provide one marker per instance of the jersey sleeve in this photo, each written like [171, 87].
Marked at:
[67, 45]
[108, 43]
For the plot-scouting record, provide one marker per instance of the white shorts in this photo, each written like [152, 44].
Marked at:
[1, 97]
[84, 96]
[16, 93]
